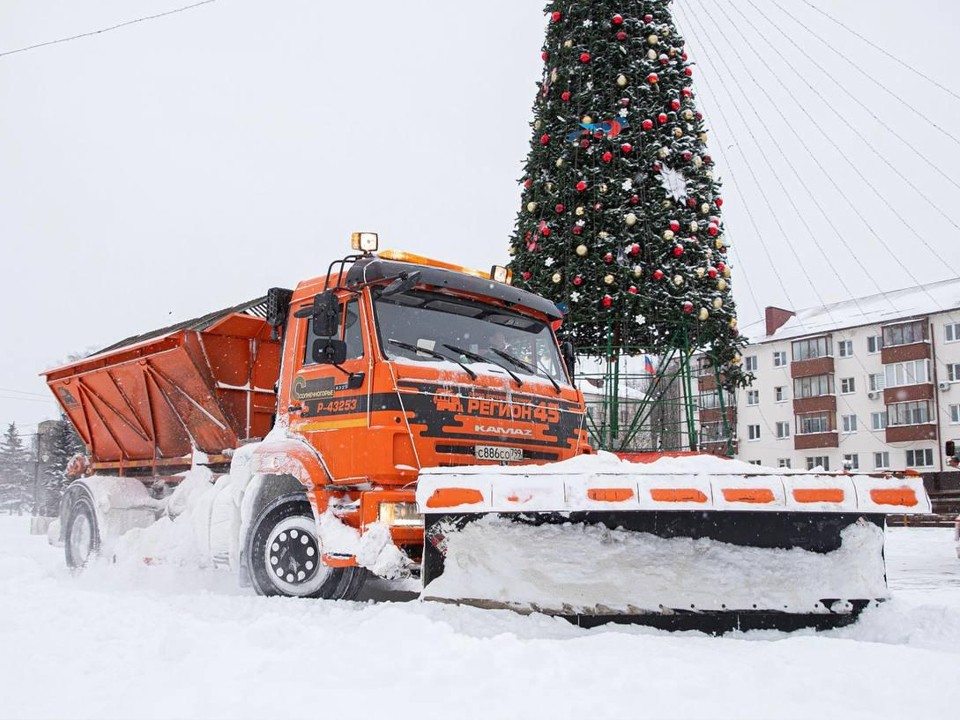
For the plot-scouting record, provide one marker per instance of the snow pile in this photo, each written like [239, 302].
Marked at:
[585, 566]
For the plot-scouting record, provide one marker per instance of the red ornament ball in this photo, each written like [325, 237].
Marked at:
[687, 155]
[688, 307]
[653, 78]
[677, 250]
[634, 199]
[632, 289]
[577, 229]
[581, 186]
[556, 16]
[691, 202]
[559, 208]
[647, 124]
[545, 231]
[585, 143]
[686, 92]
[658, 274]
[527, 275]
[624, 102]
[598, 207]
[584, 57]
[712, 272]
[719, 202]
[648, 19]
[578, 281]
[707, 159]
[656, 167]
[683, 55]
[713, 229]
[607, 301]
[698, 115]
[544, 139]
[635, 249]
[621, 36]
[626, 148]
[608, 258]
[688, 72]
[664, 60]
[721, 266]
[527, 183]
[662, 118]
[617, 19]
[544, 55]
[607, 156]
[674, 225]
[674, 104]
[565, 96]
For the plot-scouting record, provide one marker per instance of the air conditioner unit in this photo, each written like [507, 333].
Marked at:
[873, 394]
[943, 385]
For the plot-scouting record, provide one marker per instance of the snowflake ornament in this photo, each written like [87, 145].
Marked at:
[627, 184]
[548, 262]
[574, 296]
[674, 183]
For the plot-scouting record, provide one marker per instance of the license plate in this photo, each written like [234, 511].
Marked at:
[500, 454]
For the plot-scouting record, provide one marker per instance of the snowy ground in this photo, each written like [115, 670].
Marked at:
[164, 642]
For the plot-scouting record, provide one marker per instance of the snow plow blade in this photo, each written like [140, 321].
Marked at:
[705, 551]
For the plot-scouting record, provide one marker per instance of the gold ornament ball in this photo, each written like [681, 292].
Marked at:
[559, 162]
[726, 272]
[721, 284]
[630, 219]
[586, 119]
[694, 226]
[677, 132]
[697, 162]
[703, 314]
[537, 125]
[579, 211]
[666, 204]
[653, 39]
[700, 272]
[663, 153]
[703, 138]
[603, 234]
[603, 188]
[651, 54]
[677, 280]
[719, 245]
[733, 323]
[622, 80]
[705, 209]
[568, 43]
[553, 76]
[688, 114]
[556, 278]
[668, 234]
[550, 187]
[581, 250]
[608, 279]
[531, 207]
[717, 303]
[637, 271]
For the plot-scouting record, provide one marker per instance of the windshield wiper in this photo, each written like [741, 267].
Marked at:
[432, 353]
[481, 358]
[527, 366]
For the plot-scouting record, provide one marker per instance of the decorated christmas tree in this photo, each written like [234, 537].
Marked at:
[620, 220]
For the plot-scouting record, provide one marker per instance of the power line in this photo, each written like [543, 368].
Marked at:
[877, 47]
[106, 29]
[26, 399]
[24, 392]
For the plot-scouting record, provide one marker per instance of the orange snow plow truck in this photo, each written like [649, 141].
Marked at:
[404, 417]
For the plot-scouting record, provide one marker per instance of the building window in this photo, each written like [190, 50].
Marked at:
[813, 386]
[878, 420]
[881, 460]
[955, 413]
[818, 461]
[750, 363]
[754, 462]
[847, 386]
[877, 382]
[849, 423]
[920, 458]
[904, 333]
[851, 462]
[812, 348]
[783, 429]
[710, 400]
[783, 462]
[909, 413]
[753, 397]
[753, 432]
[780, 393]
[953, 372]
[953, 332]
[780, 358]
[874, 344]
[712, 432]
[814, 423]
[914, 372]
[845, 348]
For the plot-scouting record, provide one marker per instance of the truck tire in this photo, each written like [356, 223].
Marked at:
[81, 535]
[284, 557]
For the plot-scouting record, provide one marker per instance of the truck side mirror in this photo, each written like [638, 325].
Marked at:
[325, 312]
[328, 351]
[569, 357]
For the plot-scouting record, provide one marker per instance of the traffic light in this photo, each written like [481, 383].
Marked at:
[953, 457]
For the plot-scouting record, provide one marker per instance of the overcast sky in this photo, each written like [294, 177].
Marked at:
[162, 170]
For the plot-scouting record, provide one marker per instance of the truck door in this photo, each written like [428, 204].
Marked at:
[333, 400]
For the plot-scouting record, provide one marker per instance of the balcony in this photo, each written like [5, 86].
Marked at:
[816, 366]
[714, 415]
[903, 353]
[907, 393]
[911, 433]
[815, 441]
[819, 403]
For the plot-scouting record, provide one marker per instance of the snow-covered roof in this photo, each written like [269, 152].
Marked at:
[887, 307]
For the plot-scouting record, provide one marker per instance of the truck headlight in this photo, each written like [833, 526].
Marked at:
[399, 514]
[365, 241]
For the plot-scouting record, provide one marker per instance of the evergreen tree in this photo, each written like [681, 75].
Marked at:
[620, 215]
[15, 476]
[62, 443]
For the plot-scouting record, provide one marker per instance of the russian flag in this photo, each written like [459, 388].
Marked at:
[648, 365]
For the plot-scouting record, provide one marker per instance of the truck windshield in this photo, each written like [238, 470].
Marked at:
[466, 331]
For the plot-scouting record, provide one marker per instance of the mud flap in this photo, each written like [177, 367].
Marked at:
[710, 571]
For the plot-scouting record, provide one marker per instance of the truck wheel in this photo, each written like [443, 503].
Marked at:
[285, 553]
[82, 536]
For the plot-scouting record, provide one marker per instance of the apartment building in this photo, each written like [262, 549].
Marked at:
[866, 384]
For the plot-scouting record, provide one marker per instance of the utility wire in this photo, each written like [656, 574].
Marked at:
[24, 392]
[915, 110]
[106, 29]
[880, 49]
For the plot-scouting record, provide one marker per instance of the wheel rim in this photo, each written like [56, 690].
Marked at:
[292, 557]
[81, 538]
